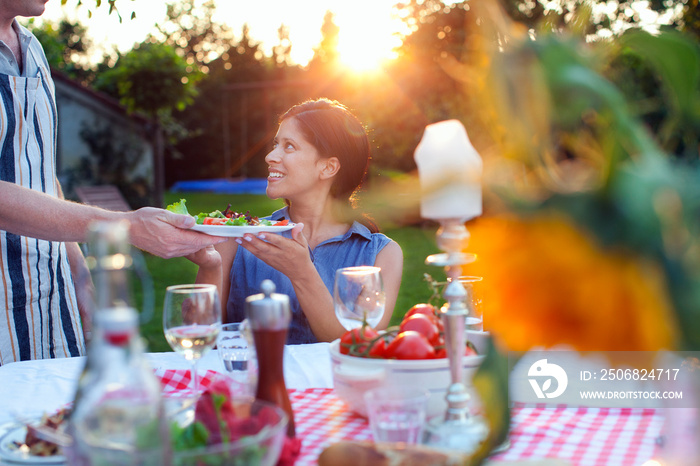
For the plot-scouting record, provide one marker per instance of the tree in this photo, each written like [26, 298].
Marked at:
[111, 4]
[419, 90]
[229, 122]
[66, 47]
[192, 32]
[327, 51]
[152, 79]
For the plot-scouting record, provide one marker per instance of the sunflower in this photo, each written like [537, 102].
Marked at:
[547, 283]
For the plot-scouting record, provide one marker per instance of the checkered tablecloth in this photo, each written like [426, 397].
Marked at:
[583, 436]
[176, 382]
[321, 419]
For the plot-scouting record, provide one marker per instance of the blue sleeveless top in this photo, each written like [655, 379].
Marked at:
[358, 246]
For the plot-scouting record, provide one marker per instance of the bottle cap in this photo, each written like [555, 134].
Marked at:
[117, 324]
[268, 310]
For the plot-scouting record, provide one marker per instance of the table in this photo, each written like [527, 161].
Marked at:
[579, 435]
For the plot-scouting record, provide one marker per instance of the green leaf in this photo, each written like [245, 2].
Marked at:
[195, 435]
[178, 207]
[675, 59]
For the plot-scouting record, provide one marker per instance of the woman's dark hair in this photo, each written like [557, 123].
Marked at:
[335, 132]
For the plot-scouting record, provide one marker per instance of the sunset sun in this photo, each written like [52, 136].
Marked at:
[366, 40]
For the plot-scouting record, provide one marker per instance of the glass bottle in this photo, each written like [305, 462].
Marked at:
[118, 415]
[269, 316]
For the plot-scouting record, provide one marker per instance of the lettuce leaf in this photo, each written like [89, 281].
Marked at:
[178, 207]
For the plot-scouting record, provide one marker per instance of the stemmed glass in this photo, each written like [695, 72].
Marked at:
[358, 295]
[191, 322]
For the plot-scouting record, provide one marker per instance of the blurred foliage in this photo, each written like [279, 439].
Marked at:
[188, 27]
[66, 45]
[152, 79]
[568, 143]
[592, 188]
[111, 4]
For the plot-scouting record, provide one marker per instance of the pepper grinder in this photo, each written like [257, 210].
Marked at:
[269, 316]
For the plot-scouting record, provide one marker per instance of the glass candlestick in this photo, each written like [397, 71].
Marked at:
[458, 429]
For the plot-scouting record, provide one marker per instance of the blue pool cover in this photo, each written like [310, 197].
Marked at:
[222, 186]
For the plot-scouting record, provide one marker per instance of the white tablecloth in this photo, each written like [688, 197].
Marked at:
[43, 386]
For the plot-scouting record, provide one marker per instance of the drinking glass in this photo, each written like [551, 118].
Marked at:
[238, 356]
[397, 414]
[191, 322]
[473, 286]
[358, 295]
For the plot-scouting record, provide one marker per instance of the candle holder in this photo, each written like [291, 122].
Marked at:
[458, 429]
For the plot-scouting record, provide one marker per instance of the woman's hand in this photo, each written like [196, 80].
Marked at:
[206, 258]
[283, 254]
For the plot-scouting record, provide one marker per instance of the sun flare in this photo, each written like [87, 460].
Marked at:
[365, 53]
[366, 40]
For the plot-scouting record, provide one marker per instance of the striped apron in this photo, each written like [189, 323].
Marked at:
[38, 310]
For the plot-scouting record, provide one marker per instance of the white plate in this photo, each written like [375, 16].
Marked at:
[11, 453]
[235, 231]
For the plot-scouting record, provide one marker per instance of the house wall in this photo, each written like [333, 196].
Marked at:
[80, 110]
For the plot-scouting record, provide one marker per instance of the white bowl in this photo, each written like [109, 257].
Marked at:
[353, 376]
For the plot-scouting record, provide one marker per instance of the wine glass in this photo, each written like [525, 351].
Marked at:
[358, 295]
[191, 322]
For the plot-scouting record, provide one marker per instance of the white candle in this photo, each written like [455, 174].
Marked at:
[449, 169]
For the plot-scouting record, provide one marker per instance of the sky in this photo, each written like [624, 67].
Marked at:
[367, 27]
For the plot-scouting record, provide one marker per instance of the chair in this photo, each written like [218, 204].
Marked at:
[105, 196]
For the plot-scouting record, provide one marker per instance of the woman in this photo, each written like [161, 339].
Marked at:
[319, 160]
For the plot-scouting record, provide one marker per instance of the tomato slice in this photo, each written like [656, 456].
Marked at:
[281, 223]
[213, 221]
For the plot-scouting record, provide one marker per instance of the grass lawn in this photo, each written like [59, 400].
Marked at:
[416, 242]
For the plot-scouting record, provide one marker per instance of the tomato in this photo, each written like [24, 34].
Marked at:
[409, 345]
[422, 324]
[469, 350]
[281, 223]
[356, 341]
[378, 349]
[422, 308]
[213, 221]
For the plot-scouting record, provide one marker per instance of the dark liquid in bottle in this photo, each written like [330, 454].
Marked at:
[269, 345]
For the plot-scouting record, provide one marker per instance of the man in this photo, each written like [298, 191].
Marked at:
[40, 262]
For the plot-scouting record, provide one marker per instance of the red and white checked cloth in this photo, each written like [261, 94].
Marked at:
[176, 382]
[583, 436]
[321, 419]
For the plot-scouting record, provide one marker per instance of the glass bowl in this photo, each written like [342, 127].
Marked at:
[261, 446]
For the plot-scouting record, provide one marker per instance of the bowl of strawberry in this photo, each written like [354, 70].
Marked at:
[411, 354]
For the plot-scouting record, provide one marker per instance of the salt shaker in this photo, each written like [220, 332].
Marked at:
[269, 316]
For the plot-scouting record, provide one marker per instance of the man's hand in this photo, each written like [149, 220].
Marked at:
[166, 234]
